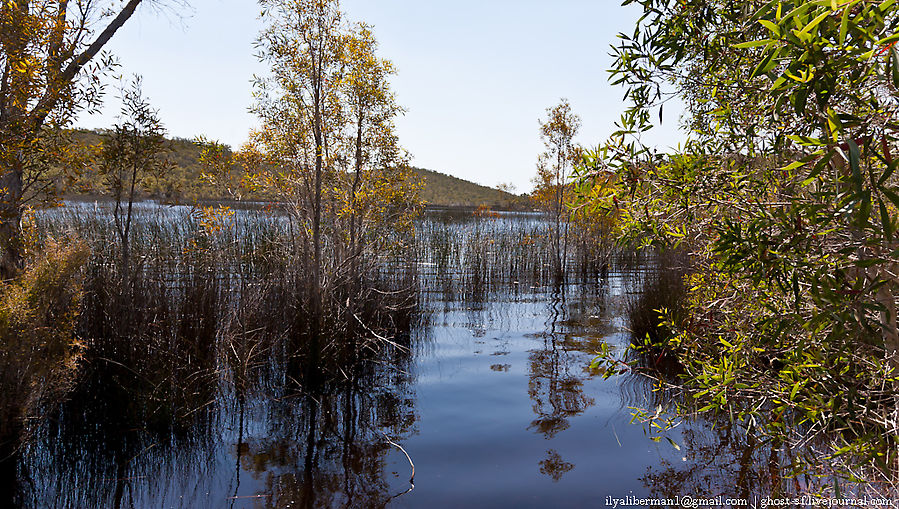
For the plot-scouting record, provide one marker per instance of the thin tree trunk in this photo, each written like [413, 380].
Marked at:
[315, 293]
[11, 261]
[127, 229]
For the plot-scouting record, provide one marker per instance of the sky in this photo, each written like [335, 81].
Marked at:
[475, 76]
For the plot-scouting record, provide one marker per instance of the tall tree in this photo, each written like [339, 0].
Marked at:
[326, 147]
[327, 129]
[554, 167]
[298, 104]
[371, 107]
[48, 72]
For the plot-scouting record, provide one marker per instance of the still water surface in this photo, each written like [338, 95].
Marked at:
[494, 402]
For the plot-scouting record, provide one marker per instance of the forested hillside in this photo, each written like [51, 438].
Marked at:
[182, 182]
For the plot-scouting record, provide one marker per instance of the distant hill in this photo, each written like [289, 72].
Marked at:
[183, 183]
[446, 190]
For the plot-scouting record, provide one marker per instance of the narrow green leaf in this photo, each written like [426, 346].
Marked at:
[807, 141]
[766, 64]
[855, 164]
[864, 211]
[673, 443]
[887, 40]
[835, 124]
[844, 24]
[753, 44]
[815, 22]
[868, 262]
[771, 26]
[795, 390]
[887, 174]
[794, 165]
[764, 10]
[801, 99]
[892, 196]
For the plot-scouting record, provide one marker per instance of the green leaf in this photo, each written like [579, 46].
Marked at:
[885, 220]
[854, 163]
[844, 23]
[771, 26]
[798, 11]
[766, 64]
[887, 174]
[807, 141]
[801, 99]
[754, 44]
[792, 166]
[887, 40]
[815, 22]
[835, 124]
[864, 211]
[795, 390]
[892, 196]
[868, 262]
[764, 10]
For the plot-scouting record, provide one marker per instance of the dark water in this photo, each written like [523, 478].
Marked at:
[490, 395]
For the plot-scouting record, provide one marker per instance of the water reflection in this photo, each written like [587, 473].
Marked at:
[554, 466]
[200, 388]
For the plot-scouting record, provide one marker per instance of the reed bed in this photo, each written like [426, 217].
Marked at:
[208, 327]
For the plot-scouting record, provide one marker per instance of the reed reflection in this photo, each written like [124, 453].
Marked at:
[199, 357]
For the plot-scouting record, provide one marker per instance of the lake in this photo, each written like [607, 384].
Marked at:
[487, 390]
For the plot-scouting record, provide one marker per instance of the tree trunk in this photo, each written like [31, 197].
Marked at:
[315, 292]
[12, 258]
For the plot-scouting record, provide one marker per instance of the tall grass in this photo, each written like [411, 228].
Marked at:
[208, 327]
[210, 322]
[467, 257]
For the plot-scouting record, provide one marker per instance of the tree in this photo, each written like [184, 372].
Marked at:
[327, 134]
[554, 167]
[131, 157]
[48, 72]
[298, 105]
[371, 107]
[785, 196]
[327, 148]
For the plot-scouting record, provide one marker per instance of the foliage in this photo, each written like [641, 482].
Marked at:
[551, 185]
[48, 72]
[785, 196]
[130, 157]
[327, 146]
[38, 347]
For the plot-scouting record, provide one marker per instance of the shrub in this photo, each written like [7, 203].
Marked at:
[38, 348]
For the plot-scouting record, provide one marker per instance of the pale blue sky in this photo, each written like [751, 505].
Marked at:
[475, 76]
